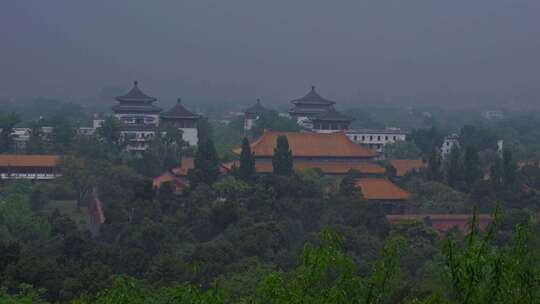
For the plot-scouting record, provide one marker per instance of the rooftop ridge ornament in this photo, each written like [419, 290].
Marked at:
[135, 83]
[179, 100]
[312, 87]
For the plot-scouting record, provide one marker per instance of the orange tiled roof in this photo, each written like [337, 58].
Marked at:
[443, 222]
[326, 167]
[186, 164]
[166, 177]
[381, 189]
[310, 145]
[12, 160]
[403, 166]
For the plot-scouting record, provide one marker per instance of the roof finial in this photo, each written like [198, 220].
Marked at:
[135, 83]
[312, 87]
[258, 100]
[179, 100]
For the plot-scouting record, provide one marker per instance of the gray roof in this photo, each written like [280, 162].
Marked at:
[179, 112]
[133, 107]
[257, 108]
[332, 115]
[313, 98]
[135, 95]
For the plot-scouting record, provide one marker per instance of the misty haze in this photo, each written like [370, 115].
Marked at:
[270, 152]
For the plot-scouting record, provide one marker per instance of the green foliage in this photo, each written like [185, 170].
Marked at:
[435, 197]
[481, 273]
[271, 120]
[455, 175]
[434, 168]
[206, 164]
[471, 166]
[247, 162]
[327, 275]
[109, 131]
[64, 133]
[16, 213]
[36, 143]
[479, 137]
[26, 296]
[401, 150]
[348, 183]
[282, 161]
[7, 123]
[427, 140]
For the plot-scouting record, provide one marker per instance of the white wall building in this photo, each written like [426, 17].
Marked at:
[449, 142]
[376, 138]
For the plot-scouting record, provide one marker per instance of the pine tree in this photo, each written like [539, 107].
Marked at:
[454, 168]
[36, 144]
[472, 169]
[434, 166]
[348, 183]
[497, 174]
[282, 162]
[206, 163]
[509, 169]
[247, 161]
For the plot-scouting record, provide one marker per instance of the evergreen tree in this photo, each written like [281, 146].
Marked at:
[282, 162]
[36, 144]
[509, 169]
[454, 168]
[7, 123]
[496, 174]
[109, 130]
[347, 186]
[433, 172]
[206, 164]
[247, 161]
[472, 169]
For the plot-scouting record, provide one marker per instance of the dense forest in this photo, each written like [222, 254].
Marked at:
[286, 237]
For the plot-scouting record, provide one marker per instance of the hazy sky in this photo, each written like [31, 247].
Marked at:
[240, 50]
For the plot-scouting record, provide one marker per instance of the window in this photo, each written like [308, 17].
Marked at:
[355, 137]
[371, 137]
[363, 137]
[394, 137]
[386, 137]
[379, 138]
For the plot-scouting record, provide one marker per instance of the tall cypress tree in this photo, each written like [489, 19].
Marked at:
[282, 162]
[434, 172]
[509, 168]
[247, 161]
[206, 164]
[471, 164]
[454, 168]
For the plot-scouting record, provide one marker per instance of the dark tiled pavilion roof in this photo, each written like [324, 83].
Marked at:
[331, 115]
[313, 98]
[136, 95]
[257, 108]
[178, 112]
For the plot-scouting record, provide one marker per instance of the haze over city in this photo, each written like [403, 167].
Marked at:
[430, 52]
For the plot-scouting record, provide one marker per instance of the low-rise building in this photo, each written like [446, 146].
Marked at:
[252, 113]
[449, 142]
[33, 167]
[443, 222]
[389, 195]
[186, 121]
[376, 138]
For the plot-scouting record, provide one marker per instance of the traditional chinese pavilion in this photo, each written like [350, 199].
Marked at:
[252, 113]
[34, 167]
[183, 119]
[139, 118]
[318, 114]
[333, 153]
